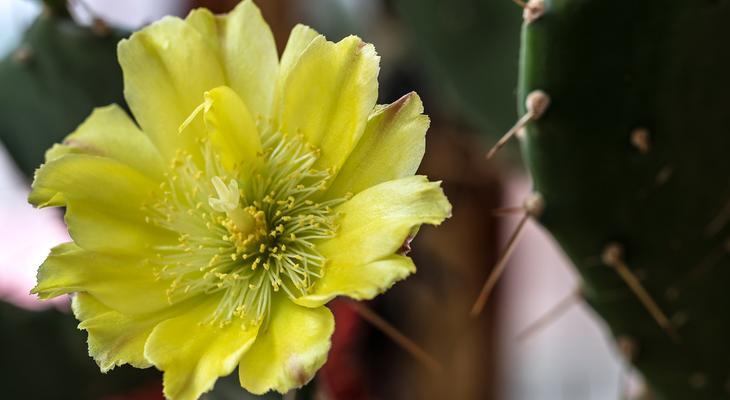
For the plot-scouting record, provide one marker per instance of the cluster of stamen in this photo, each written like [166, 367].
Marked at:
[245, 233]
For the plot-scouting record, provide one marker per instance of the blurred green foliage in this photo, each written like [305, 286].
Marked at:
[52, 81]
[44, 356]
[57, 7]
[471, 50]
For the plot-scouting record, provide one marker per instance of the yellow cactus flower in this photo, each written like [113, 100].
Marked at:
[254, 191]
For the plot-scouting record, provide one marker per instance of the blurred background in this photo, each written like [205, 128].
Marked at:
[59, 61]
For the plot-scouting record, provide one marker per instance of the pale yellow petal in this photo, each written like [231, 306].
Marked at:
[206, 23]
[115, 338]
[194, 352]
[361, 258]
[231, 128]
[327, 96]
[105, 200]
[109, 132]
[290, 351]
[362, 282]
[299, 39]
[376, 221]
[123, 282]
[391, 147]
[167, 67]
[247, 50]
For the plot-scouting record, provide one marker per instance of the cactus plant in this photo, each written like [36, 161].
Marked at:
[56, 76]
[633, 150]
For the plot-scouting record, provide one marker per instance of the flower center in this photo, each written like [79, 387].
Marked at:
[247, 233]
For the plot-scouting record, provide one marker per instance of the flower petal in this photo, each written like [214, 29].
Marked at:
[328, 94]
[104, 200]
[376, 221]
[124, 283]
[290, 351]
[109, 132]
[193, 351]
[167, 67]
[391, 147]
[299, 39]
[374, 226]
[231, 127]
[362, 282]
[247, 50]
[115, 338]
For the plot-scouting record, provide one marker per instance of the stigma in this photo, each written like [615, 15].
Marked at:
[227, 201]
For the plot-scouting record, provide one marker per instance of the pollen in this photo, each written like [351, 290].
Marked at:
[249, 234]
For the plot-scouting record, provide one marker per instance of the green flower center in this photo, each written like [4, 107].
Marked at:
[249, 232]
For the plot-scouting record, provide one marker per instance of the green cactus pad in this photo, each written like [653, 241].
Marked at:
[635, 149]
[51, 82]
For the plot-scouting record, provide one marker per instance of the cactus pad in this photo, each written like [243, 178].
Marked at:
[634, 150]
